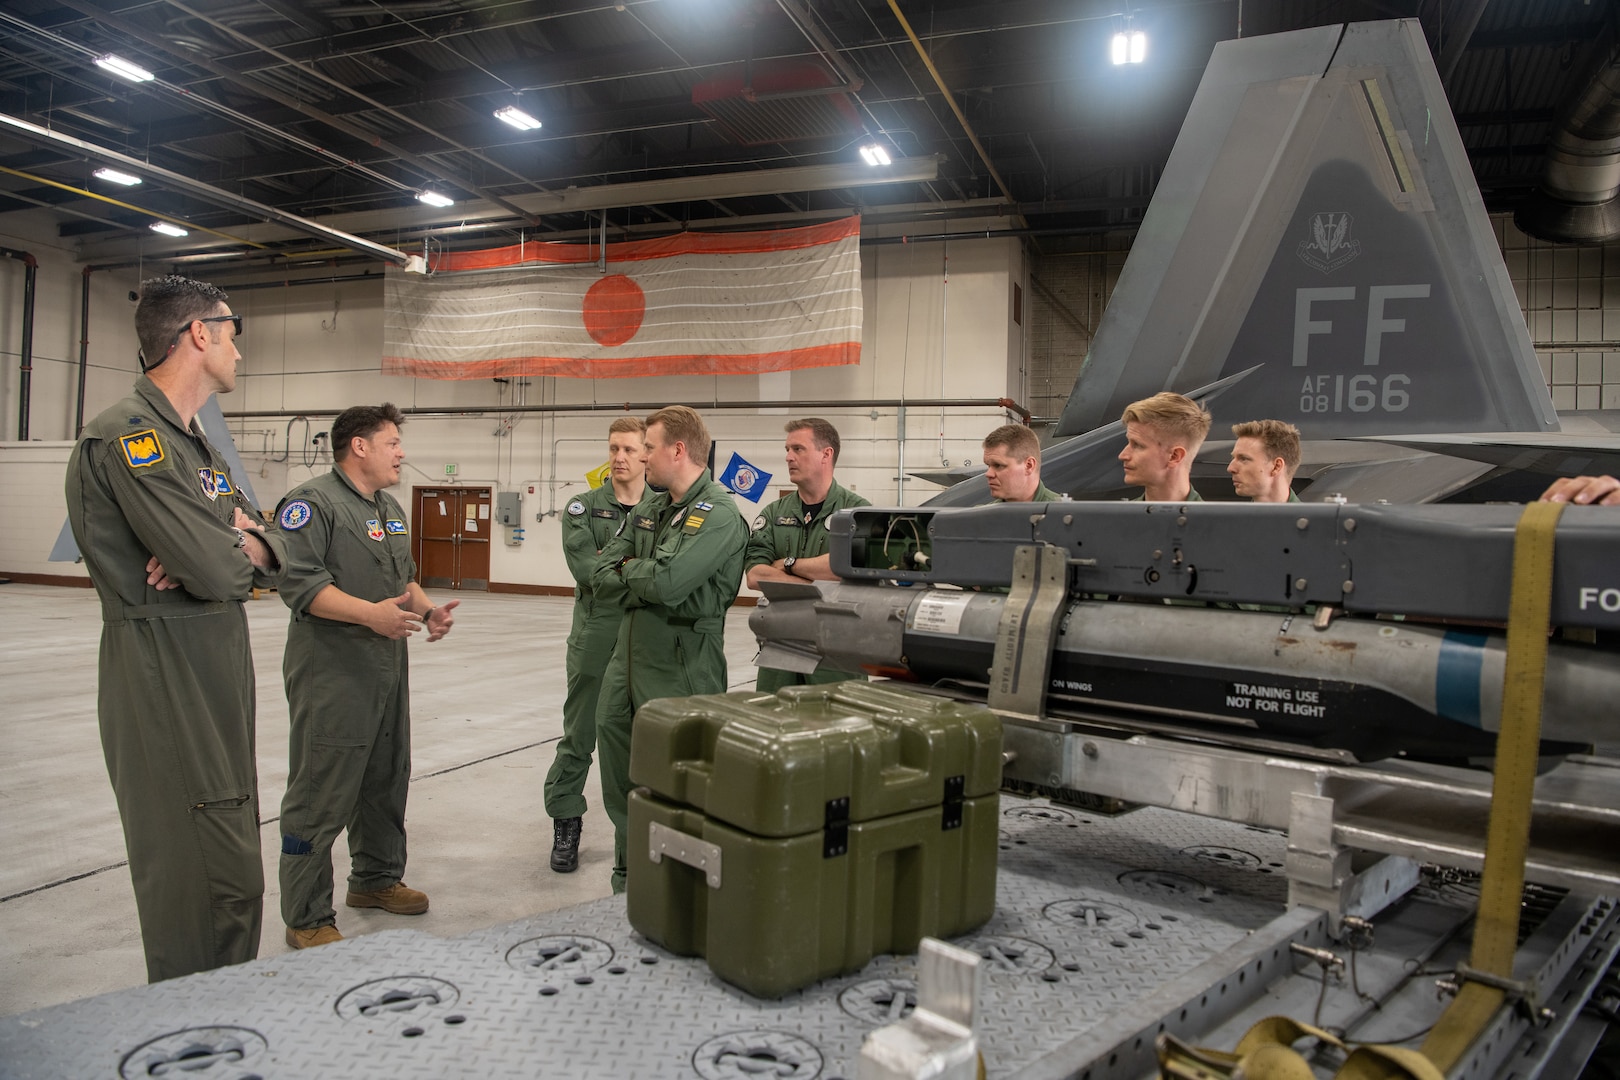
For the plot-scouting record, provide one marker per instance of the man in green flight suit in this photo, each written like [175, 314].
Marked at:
[1264, 460]
[173, 552]
[1162, 436]
[675, 571]
[588, 523]
[1012, 466]
[354, 606]
[789, 538]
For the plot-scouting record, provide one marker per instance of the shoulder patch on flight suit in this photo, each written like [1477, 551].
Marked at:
[142, 449]
[703, 506]
[222, 483]
[210, 487]
[759, 523]
[374, 529]
[576, 508]
[826, 523]
[605, 512]
[395, 526]
[694, 521]
[646, 523]
[295, 515]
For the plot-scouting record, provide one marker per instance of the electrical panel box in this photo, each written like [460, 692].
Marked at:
[507, 507]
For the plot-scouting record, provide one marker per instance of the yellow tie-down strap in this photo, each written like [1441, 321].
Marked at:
[1265, 1052]
[1518, 742]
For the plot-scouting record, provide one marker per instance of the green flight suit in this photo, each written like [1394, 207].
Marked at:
[781, 530]
[348, 695]
[1192, 496]
[176, 696]
[588, 523]
[684, 573]
[1042, 494]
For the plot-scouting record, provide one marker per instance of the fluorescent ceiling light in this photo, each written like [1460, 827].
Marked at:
[515, 116]
[874, 154]
[115, 177]
[168, 230]
[1128, 47]
[123, 68]
[433, 198]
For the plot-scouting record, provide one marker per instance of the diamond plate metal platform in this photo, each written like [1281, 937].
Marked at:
[1094, 915]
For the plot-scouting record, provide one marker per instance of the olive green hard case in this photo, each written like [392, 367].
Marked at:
[791, 837]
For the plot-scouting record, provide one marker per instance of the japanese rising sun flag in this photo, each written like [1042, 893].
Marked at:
[690, 304]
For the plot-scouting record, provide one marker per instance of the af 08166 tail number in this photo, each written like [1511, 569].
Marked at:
[1358, 393]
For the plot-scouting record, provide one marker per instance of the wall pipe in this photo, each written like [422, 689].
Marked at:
[84, 351]
[652, 406]
[25, 367]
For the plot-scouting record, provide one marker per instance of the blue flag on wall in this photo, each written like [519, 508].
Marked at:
[742, 478]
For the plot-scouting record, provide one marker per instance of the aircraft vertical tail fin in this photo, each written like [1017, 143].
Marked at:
[1318, 217]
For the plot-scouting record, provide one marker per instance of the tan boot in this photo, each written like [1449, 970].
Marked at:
[315, 935]
[397, 899]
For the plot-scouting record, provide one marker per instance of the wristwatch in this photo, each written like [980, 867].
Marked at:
[788, 563]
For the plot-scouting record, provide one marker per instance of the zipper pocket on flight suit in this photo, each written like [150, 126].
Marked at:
[221, 804]
[681, 666]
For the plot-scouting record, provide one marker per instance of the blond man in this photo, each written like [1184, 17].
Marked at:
[589, 522]
[1162, 436]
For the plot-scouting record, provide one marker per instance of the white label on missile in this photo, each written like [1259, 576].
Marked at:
[940, 613]
[1282, 700]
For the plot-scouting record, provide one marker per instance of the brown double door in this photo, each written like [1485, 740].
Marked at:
[452, 527]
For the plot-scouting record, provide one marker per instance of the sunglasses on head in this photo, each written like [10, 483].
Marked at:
[234, 320]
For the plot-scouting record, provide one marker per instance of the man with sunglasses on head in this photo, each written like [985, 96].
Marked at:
[173, 549]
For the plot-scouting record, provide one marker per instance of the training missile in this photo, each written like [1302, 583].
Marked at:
[1374, 630]
[1372, 687]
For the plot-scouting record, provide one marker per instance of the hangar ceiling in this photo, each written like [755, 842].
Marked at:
[663, 114]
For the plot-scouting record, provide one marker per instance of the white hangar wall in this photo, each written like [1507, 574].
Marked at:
[939, 324]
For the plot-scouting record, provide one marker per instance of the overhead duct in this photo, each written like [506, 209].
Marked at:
[1578, 201]
[767, 101]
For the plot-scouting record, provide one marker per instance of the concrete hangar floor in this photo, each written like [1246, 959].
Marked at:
[486, 711]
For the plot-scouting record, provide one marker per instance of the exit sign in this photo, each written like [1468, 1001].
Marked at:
[449, 470]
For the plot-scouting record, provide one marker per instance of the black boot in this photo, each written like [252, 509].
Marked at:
[565, 844]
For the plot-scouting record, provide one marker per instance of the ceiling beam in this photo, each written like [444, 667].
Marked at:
[255, 211]
[693, 189]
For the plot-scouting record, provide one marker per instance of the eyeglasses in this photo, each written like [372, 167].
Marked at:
[234, 320]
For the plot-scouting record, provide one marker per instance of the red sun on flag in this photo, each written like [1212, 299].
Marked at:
[614, 308]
